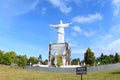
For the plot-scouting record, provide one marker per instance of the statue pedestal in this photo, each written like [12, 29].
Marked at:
[64, 60]
[62, 50]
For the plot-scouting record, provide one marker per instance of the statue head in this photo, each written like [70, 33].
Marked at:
[61, 22]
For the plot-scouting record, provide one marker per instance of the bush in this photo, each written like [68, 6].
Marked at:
[22, 61]
[59, 64]
[59, 61]
[6, 59]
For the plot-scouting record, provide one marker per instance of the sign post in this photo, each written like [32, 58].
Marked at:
[81, 76]
[81, 70]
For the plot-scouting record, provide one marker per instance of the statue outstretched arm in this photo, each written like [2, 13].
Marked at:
[55, 26]
[66, 25]
[61, 25]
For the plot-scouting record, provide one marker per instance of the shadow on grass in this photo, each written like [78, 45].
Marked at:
[115, 72]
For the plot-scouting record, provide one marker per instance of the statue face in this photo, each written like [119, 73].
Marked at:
[61, 22]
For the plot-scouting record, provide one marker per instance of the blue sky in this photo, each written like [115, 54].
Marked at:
[24, 26]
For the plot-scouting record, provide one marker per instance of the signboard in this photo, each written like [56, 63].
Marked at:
[81, 70]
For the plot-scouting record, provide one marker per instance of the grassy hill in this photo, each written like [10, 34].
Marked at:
[7, 73]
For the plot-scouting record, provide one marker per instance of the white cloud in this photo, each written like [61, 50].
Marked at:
[107, 44]
[111, 48]
[115, 29]
[88, 34]
[116, 4]
[77, 1]
[110, 42]
[62, 5]
[87, 19]
[17, 7]
[78, 51]
[77, 29]
[115, 45]
[74, 45]
[112, 34]
[74, 34]
[106, 38]
[44, 10]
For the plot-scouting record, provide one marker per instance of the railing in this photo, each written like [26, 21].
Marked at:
[73, 70]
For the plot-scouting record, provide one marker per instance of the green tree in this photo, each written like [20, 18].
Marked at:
[40, 58]
[106, 59]
[1, 54]
[12, 55]
[6, 59]
[117, 58]
[75, 61]
[22, 61]
[102, 57]
[45, 62]
[59, 61]
[32, 60]
[111, 59]
[89, 57]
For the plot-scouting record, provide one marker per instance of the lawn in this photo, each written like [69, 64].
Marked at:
[8, 73]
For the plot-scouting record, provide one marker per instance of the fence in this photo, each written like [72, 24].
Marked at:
[73, 70]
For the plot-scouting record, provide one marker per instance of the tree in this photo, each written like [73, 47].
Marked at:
[106, 59]
[32, 60]
[45, 62]
[1, 54]
[117, 58]
[40, 58]
[22, 61]
[6, 59]
[75, 61]
[78, 59]
[59, 61]
[111, 59]
[12, 55]
[102, 57]
[89, 57]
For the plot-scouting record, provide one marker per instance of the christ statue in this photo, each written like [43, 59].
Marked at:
[60, 27]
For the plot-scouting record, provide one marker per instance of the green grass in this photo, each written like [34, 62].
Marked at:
[7, 73]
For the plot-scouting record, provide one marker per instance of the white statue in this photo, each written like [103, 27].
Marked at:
[60, 27]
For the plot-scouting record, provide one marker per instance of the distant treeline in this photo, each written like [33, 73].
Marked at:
[10, 57]
[91, 60]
